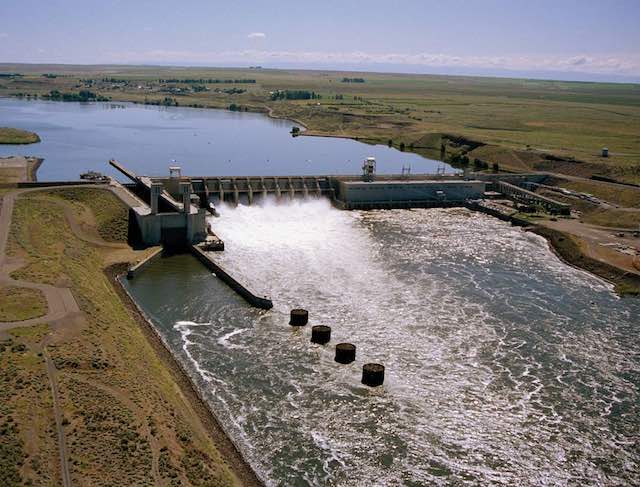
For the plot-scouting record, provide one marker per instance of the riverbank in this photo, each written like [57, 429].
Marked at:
[571, 251]
[124, 415]
[227, 448]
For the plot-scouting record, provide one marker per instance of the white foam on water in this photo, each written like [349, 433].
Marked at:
[224, 340]
[497, 370]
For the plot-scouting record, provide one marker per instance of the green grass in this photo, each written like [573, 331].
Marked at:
[618, 195]
[17, 136]
[19, 303]
[110, 213]
[568, 119]
[612, 218]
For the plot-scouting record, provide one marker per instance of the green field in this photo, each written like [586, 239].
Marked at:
[521, 124]
[19, 303]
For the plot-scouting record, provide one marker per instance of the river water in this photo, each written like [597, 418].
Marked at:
[503, 365]
[77, 137]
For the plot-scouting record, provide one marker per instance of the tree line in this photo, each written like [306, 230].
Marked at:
[82, 95]
[205, 81]
[294, 95]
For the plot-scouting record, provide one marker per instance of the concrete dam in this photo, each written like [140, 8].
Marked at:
[171, 211]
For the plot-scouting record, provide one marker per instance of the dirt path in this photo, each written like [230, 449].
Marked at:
[60, 302]
[61, 306]
[78, 231]
[601, 243]
[57, 412]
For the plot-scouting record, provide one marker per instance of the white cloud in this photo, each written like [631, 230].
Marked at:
[257, 35]
[3, 35]
[617, 65]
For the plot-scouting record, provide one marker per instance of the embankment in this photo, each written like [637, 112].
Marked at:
[567, 249]
[223, 443]
[570, 252]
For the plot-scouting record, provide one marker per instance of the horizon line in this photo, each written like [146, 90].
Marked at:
[507, 74]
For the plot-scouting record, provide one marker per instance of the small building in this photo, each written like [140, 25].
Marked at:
[605, 152]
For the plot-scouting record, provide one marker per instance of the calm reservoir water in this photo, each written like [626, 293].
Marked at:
[77, 137]
[504, 366]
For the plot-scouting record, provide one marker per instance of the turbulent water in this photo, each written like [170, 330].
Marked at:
[503, 365]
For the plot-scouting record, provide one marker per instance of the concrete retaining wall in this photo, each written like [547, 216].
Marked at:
[135, 270]
[249, 296]
[47, 184]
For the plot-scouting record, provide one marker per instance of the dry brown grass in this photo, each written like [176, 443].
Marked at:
[123, 409]
[28, 451]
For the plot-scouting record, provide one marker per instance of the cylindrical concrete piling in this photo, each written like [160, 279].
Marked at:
[321, 334]
[372, 374]
[299, 317]
[345, 353]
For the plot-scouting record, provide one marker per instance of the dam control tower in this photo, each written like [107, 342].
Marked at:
[369, 169]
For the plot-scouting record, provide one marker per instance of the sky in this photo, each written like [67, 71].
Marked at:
[561, 39]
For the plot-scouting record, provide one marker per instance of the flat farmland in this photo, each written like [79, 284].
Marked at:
[521, 124]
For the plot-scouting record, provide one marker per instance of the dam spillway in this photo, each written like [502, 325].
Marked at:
[171, 210]
[493, 349]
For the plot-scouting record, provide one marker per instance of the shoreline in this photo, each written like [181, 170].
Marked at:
[624, 283]
[225, 445]
[269, 113]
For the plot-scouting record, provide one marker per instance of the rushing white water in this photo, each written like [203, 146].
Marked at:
[503, 365]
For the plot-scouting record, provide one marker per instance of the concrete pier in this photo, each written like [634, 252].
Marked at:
[345, 353]
[373, 375]
[320, 334]
[249, 296]
[135, 269]
[299, 317]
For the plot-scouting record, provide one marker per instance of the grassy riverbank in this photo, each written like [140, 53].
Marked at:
[520, 124]
[129, 417]
[17, 136]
